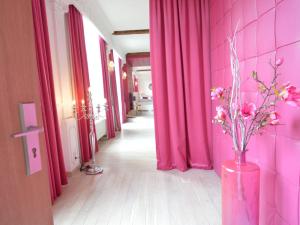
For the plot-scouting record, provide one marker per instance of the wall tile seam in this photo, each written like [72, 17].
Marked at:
[278, 2]
[289, 138]
[252, 21]
[228, 11]
[264, 13]
[248, 24]
[252, 57]
[277, 47]
[281, 217]
[285, 45]
[259, 55]
[258, 15]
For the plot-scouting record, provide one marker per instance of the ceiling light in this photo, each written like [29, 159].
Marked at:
[124, 76]
[111, 65]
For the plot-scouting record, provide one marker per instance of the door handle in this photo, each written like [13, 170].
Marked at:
[30, 137]
[30, 130]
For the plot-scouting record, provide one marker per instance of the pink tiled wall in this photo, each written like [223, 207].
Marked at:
[268, 29]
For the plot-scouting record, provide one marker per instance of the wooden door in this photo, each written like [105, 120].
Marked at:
[24, 200]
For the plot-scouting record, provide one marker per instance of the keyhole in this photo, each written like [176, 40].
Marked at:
[34, 152]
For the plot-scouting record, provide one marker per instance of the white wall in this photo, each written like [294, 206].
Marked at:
[94, 62]
[144, 79]
[95, 73]
[118, 83]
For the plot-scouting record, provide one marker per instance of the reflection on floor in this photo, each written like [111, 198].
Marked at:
[132, 192]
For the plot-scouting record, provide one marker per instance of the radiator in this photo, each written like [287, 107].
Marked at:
[100, 128]
[70, 143]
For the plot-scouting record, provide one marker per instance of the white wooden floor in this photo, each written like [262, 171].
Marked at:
[132, 192]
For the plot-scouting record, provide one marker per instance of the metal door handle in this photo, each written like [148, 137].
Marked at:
[28, 131]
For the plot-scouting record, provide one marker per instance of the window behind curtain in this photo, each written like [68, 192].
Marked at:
[117, 72]
[91, 34]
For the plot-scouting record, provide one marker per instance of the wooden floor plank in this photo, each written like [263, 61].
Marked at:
[132, 192]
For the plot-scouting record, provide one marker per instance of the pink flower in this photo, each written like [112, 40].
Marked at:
[279, 62]
[291, 95]
[248, 109]
[221, 114]
[217, 93]
[273, 118]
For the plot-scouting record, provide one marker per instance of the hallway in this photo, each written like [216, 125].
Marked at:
[132, 192]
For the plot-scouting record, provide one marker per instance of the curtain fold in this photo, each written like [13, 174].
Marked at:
[126, 89]
[114, 93]
[181, 83]
[57, 172]
[124, 117]
[110, 127]
[80, 77]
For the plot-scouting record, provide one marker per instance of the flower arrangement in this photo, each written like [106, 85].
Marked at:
[241, 120]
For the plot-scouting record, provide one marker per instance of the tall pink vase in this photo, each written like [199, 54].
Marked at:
[240, 192]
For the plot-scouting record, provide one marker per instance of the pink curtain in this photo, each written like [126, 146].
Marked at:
[110, 127]
[57, 173]
[126, 89]
[124, 117]
[113, 86]
[180, 73]
[135, 84]
[80, 77]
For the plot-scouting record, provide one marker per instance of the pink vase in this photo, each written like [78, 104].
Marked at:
[240, 192]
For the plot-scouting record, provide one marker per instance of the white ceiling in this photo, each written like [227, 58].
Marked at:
[133, 43]
[128, 15]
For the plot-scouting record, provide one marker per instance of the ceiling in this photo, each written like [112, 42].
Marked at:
[128, 15]
[133, 43]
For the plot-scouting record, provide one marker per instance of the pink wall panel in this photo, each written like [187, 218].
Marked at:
[290, 119]
[220, 32]
[249, 10]
[247, 83]
[264, 5]
[227, 25]
[287, 159]
[219, 10]
[265, 36]
[291, 66]
[287, 22]
[240, 45]
[268, 29]
[267, 158]
[264, 70]
[267, 187]
[237, 14]
[286, 201]
[250, 49]
[227, 5]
